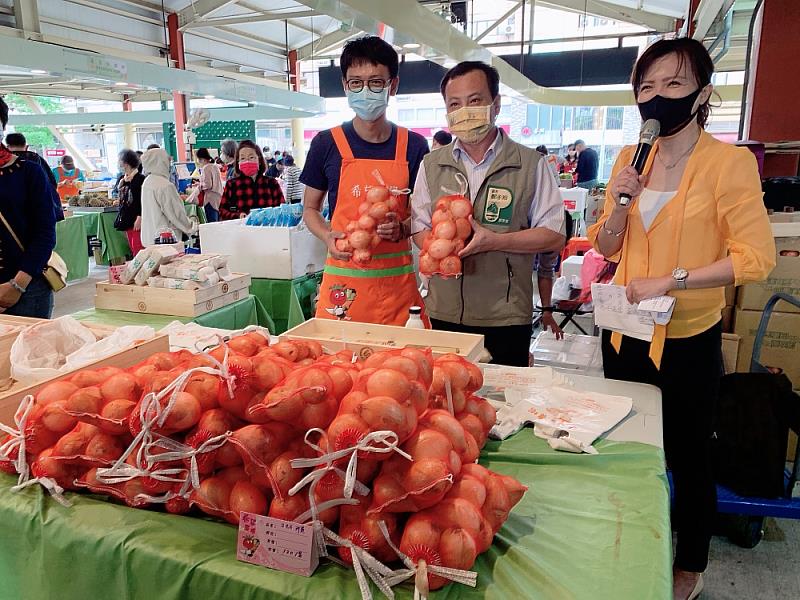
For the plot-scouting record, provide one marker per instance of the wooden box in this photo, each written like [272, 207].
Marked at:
[366, 338]
[180, 303]
[7, 340]
[10, 398]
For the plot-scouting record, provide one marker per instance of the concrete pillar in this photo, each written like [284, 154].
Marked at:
[128, 128]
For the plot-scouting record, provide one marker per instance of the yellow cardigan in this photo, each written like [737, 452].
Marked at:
[718, 211]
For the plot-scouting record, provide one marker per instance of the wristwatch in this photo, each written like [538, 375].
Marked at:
[17, 287]
[680, 275]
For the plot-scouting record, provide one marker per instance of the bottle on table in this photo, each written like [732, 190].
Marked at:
[415, 318]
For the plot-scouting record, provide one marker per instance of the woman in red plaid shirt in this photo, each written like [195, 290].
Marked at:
[250, 188]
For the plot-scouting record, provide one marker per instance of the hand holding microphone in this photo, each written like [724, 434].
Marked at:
[628, 182]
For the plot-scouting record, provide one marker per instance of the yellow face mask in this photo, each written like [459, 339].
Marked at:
[471, 124]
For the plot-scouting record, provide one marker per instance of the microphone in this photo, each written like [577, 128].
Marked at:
[647, 136]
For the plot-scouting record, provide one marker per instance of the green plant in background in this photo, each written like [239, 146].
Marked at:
[38, 138]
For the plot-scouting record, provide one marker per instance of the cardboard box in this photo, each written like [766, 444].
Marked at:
[10, 399]
[163, 301]
[366, 338]
[785, 277]
[267, 252]
[594, 207]
[781, 344]
[730, 351]
[574, 198]
[730, 295]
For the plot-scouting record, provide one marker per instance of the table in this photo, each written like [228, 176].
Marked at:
[589, 527]
[240, 314]
[71, 246]
[114, 244]
[288, 301]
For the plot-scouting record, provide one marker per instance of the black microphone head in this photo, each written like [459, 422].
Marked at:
[649, 132]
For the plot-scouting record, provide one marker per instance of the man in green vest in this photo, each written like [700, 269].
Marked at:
[517, 213]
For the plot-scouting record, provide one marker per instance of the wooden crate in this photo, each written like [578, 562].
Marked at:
[10, 399]
[7, 340]
[365, 338]
[180, 303]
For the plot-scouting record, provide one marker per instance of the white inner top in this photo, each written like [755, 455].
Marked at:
[650, 204]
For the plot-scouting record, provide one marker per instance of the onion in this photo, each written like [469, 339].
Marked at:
[232, 474]
[393, 204]
[283, 403]
[445, 230]
[440, 248]
[378, 211]
[213, 493]
[383, 412]
[450, 265]
[86, 400]
[405, 365]
[387, 382]
[344, 245]
[443, 203]
[287, 350]
[440, 216]
[266, 373]
[458, 246]
[366, 223]
[87, 378]
[244, 346]
[360, 239]
[143, 373]
[118, 410]
[121, 387]
[205, 388]
[285, 476]
[378, 194]
[427, 264]
[463, 229]
[351, 227]
[461, 208]
[245, 497]
[458, 373]
[163, 361]
[185, 412]
[346, 430]
[364, 207]
[105, 447]
[458, 549]
[342, 382]
[55, 418]
[58, 390]
[362, 257]
[375, 241]
[288, 508]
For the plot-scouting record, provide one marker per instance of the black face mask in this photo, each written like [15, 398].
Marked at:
[672, 113]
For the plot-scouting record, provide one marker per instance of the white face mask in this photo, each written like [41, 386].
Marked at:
[471, 124]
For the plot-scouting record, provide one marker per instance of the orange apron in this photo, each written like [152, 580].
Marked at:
[69, 186]
[382, 291]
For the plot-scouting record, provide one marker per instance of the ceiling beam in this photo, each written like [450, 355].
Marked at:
[244, 44]
[257, 17]
[706, 14]
[613, 11]
[198, 10]
[491, 27]
[26, 16]
[4, 83]
[118, 11]
[67, 93]
[325, 43]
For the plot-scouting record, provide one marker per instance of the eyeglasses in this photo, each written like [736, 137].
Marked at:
[374, 85]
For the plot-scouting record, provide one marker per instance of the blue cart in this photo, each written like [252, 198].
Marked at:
[748, 513]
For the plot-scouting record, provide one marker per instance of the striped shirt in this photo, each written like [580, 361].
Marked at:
[294, 189]
[547, 208]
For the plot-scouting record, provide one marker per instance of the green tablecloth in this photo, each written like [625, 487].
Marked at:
[71, 246]
[590, 527]
[115, 243]
[289, 302]
[247, 311]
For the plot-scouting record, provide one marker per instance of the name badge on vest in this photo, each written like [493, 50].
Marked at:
[499, 206]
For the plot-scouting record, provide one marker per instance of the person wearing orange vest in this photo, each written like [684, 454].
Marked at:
[345, 163]
[67, 177]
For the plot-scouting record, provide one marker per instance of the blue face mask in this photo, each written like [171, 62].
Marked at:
[368, 105]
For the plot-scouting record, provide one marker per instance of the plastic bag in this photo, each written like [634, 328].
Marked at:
[159, 255]
[133, 267]
[451, 232]
[173, 284]
[120, 339]
[42, 351]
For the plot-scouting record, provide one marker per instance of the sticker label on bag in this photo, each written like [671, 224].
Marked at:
[277, 544]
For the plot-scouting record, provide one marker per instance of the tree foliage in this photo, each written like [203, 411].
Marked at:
[37, 137]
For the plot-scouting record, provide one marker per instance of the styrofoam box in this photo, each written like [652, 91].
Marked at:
[574, 198]
[572, 267]
[267, 252]
[580, 353]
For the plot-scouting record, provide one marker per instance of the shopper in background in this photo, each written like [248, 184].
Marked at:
[250, 188]
[341, 163]
[586, 169]
[129, 218]
[696, 224]
[273, 164]
[162, 207]
[517, 213]
[26, 207]
[69, 178]
[552, 159]
[227, 151]
[17, 143]
[441, 138]
[570, 162]
[210, 185]
[291, 175]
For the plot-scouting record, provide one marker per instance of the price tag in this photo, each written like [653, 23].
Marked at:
[277, 544]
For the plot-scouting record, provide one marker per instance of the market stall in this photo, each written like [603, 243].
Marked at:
[72, 247]
[288, 301]
[589, 526]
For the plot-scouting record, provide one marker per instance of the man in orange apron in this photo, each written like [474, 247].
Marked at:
[67, 177]
[345, 163]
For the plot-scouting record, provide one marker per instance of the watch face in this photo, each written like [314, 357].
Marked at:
[680, 274]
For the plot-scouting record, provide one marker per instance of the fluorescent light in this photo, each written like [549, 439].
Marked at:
[38, 71]
[411, 46]
[209, 96]
[121, 84]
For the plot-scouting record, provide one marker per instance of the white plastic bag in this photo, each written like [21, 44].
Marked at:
[122, 339]
[40, 352]
[134, 266]
[159, 255]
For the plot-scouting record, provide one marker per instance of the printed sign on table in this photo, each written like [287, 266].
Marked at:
[277, 544]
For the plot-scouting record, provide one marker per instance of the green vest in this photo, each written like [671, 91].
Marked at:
[496, 288]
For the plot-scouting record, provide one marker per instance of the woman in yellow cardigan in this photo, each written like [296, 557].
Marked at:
[696, 224]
